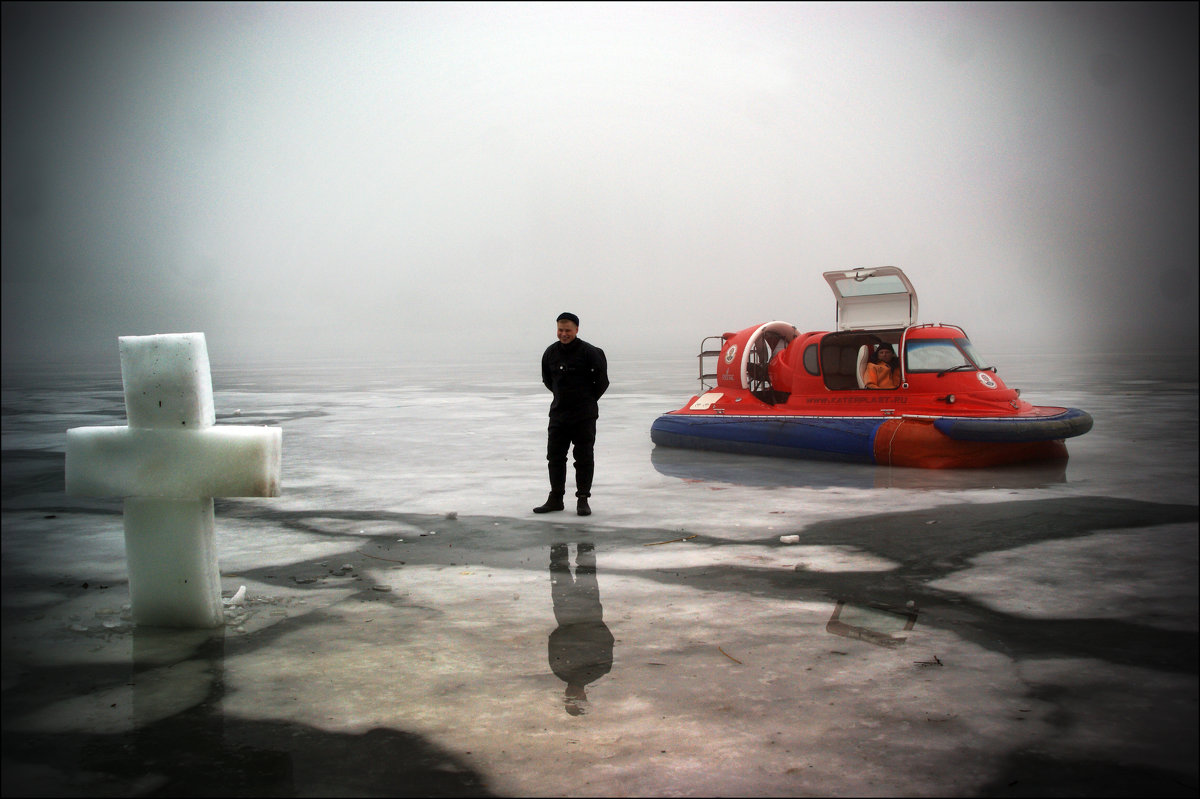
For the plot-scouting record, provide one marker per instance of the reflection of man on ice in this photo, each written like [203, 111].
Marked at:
[581, 649]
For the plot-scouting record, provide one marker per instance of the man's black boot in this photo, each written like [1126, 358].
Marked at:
[582, 507]
[553, 502]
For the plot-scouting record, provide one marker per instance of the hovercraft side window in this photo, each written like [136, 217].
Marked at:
[810, 360]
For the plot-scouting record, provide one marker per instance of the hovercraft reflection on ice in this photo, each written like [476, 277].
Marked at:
[777, 391]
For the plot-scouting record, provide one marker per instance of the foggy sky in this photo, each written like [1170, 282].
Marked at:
[420, 181]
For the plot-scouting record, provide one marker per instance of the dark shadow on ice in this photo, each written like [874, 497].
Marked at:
[581, 648]
[1036, 775]
[187, 756]
[197, 751]
[930, 544]
[939, 540]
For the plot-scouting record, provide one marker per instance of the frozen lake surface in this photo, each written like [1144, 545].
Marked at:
[400, 587]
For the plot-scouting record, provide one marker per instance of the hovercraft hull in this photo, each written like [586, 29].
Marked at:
[924, 442]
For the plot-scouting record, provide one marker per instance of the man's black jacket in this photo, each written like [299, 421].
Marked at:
[577, 373]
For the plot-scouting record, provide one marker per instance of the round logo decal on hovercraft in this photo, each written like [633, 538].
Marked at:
[986, 379]
[730, 354]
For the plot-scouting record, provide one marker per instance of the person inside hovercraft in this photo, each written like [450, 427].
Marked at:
[883, 369]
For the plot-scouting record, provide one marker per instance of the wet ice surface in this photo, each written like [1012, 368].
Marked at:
[398, 598]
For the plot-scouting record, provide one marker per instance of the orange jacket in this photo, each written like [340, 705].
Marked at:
[879, 375]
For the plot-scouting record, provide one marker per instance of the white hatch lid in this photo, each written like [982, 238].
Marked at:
[878, 298]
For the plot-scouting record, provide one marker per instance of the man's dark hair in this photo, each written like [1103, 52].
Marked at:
[568, 317]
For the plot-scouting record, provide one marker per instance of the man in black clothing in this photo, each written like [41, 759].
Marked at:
[577, 373]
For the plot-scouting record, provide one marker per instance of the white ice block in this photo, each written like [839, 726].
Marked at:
[171, 547]
[167, 381]
[168, 464]
[219, 461]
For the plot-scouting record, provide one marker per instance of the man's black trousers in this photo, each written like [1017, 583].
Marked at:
[563, 433]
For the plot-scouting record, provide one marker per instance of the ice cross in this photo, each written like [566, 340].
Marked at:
[168, 464]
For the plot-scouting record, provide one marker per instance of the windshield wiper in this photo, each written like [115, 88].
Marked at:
[958, 368]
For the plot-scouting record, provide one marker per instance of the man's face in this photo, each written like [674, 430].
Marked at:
[567, 330]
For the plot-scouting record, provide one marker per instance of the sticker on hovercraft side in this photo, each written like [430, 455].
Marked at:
[986, 379]
[706, 401]
[731, 353]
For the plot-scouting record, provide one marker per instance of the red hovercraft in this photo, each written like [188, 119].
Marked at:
[776, 391]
